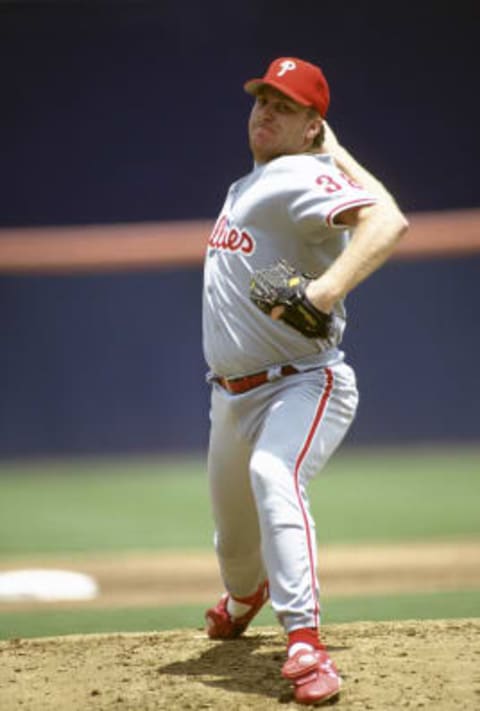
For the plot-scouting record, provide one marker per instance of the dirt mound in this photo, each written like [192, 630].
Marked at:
[385, 666]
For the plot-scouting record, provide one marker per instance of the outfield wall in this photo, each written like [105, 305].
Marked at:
[97, 363]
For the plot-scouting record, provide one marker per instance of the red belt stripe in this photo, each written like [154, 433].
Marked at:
[248, 382]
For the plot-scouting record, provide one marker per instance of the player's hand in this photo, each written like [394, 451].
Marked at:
[315, 295]
[277, 312]
[279, 291]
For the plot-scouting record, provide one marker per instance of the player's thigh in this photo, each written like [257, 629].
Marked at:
[310, 418]
[233, 505]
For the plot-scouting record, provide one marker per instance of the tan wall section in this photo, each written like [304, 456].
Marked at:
[150, 245]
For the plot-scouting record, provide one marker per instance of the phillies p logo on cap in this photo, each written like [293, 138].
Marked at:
[301, 81]
[288, 65]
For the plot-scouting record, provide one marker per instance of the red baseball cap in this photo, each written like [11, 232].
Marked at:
[301, 81]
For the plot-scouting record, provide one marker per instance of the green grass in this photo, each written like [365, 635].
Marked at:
[399, 497]
[136, 504]
[40, 623]
[412, 606]
[103, 506]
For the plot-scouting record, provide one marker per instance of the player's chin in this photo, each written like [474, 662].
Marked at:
[264, 151]
[261, 137]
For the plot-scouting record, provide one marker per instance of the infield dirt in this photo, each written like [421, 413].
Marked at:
[385, 666]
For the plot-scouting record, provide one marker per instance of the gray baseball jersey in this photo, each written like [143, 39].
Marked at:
[267, 443]
[283, 209]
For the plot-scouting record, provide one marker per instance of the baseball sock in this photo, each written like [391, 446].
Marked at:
[235, 608]
[239, 606]
[305, 638]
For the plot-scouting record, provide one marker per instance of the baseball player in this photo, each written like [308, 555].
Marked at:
[293, 238]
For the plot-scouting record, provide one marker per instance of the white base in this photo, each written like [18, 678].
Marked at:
[46, 585]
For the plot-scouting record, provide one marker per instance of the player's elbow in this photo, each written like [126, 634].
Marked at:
[401, 221]
[394, 221]
[398, 225]
[402, 225]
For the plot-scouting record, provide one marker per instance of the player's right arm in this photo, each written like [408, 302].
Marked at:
[375, 231]
[349, 165]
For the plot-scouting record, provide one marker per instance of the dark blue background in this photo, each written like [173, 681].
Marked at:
[131, 111]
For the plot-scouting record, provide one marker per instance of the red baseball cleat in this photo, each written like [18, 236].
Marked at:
[314, 676]
[220, 625]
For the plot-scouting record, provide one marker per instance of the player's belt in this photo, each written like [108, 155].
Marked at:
[248, 382]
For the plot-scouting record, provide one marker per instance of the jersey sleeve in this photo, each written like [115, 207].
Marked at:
[320, 192]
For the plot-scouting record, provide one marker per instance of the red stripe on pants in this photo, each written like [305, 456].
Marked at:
[311, 433]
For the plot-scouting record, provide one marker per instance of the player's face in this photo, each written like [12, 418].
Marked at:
[279, 126]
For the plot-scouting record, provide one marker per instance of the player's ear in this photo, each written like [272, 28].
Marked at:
[315, 126]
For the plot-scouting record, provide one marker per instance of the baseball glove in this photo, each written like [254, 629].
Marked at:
[282, 285]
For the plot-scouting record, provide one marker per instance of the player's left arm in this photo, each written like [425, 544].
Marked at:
[376, 229]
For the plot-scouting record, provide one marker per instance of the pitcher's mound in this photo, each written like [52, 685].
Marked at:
[385, 667]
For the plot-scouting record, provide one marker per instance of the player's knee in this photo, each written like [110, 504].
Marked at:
[267, 472]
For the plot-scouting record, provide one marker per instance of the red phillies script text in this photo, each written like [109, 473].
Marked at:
[231, 239]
